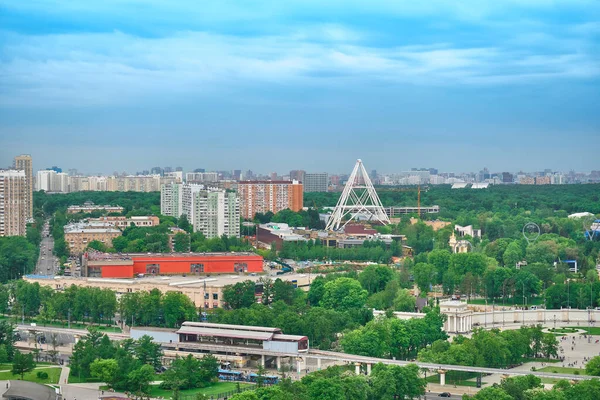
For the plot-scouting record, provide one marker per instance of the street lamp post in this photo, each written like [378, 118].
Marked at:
[524, 302]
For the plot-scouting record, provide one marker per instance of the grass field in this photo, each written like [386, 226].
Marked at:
[216, 388]
[594, 330]
[563, 370]
[563, 330]
[53, 375]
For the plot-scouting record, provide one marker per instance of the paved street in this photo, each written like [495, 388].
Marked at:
[47, 263]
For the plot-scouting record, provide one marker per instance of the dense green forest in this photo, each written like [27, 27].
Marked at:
[513, 199]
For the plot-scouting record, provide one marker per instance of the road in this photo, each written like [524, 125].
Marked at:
[47, 263]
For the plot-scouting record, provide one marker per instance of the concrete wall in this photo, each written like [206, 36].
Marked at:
[282, 347]
[529, 317]
[162, 336]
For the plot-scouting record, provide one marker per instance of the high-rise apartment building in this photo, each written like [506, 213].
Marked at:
[170, 200]
[44, 180]
[216, 213]
[274, 196]
[201, 177]
[14, 200]
[24, 163]
[297, 175]
[315, 182]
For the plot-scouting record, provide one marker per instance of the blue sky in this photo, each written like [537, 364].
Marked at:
[273, 86]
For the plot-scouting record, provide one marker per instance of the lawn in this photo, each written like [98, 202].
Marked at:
[53, 375]
[563, 370]
[4, 367]
[562, 330]
[594, 330]
[74, 325]
[216, 388]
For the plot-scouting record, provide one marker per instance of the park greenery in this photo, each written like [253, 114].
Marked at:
[126, 365]
[131, 365]
[493, 348]
[23, 300]
[338, 383]
[530, 387]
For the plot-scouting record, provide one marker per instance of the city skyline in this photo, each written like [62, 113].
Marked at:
[511, 85]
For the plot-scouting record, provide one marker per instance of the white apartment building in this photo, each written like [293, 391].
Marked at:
[177, 199]
[317, 182]
[216, 213]
[170, 200]
[44, 180]
[13, 202]
[201, 177]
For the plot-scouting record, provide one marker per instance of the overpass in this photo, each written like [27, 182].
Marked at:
[184, 348]
[358, 361]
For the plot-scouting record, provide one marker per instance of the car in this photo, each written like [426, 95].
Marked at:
[444, 394]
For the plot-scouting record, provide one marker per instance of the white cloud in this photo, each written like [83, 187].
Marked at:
[116, 67]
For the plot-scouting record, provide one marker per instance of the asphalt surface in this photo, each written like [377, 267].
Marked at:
[47, 263]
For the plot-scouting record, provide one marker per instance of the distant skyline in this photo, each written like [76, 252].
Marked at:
[274, 86]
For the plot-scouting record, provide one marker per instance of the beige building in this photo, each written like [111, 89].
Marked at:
[79, 235]
[543, 180]
[137, 183]
[24, 163]
[14, 200]
[206, 292]
[124, 222]
[90, 207]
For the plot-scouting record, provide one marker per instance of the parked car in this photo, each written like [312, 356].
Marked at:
[444, 394]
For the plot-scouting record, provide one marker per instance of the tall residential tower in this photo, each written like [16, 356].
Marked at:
[14, 200]
[24, 163]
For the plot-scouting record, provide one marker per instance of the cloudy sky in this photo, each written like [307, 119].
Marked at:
[278, 85]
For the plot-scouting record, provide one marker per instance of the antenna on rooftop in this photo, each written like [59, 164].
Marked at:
[358, 199]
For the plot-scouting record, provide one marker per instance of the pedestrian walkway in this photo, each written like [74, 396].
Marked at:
[64, 375]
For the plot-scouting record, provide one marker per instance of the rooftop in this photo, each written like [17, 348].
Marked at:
[179, 281]
[99, 256]
[29, 390]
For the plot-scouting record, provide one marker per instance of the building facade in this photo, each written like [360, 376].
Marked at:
[201, 177]
[79, 235]
[274, 196]
[216, 213]
[24, 163]
[106, 265]
[122, 222]
[89, 207]
[317, 182]
[14, 200]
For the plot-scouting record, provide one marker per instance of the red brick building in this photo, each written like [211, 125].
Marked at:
[129, 265]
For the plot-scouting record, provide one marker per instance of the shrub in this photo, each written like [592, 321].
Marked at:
[42, 375]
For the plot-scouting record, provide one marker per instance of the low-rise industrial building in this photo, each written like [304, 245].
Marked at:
[89, 207]
[105, 265]
[204, 291]
[123, 222]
